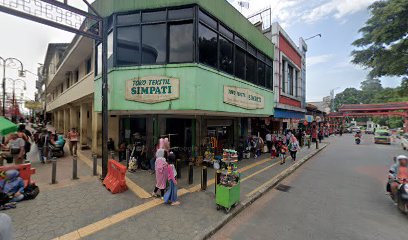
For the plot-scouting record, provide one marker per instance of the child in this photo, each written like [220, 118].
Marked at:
[282, 149]
[171, 194]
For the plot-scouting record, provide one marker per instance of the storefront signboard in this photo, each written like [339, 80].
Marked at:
[243, 97]
[152, 89]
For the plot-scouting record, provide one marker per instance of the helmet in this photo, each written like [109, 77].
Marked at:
[401, 157]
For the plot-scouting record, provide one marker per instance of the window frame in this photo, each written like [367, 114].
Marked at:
[217, 26]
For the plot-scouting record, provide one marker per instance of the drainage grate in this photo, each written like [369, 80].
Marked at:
[283, 188]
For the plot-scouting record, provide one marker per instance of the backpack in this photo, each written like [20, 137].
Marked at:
[31, 192]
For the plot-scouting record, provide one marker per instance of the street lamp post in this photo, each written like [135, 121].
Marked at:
[4, 61]
[14, 92]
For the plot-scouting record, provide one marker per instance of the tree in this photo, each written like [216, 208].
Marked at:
[348, 96]
[371, 85]
[383, 47]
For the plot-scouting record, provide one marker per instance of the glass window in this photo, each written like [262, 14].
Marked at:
[76, 75]
[284, 75]
[207, 44]
[251, 50]
[296, 84]
[290, 80]
[240, 42]
[208, 20]
[128, 19]
[181, 42]
[261, 74]
[128, 46]
[154, 16]
[269, 61]
[89, 63]
[239, 63]
[227, 33]
[110, 49]
[226, 56]
[154, 44]
[251, 69]
[261, 56]
[99, 60]
[185, 13]
[268, 74]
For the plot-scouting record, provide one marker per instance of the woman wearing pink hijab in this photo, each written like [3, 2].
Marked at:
[161, 172]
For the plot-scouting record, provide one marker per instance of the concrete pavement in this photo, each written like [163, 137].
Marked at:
[84, 209]
[339, 194]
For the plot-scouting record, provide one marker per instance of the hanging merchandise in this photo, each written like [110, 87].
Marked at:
[228, 188]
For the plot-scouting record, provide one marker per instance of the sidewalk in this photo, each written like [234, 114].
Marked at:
[197, 216]
[84, 209]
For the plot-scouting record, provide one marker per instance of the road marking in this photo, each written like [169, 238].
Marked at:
[131, 212]
[136, 189]
[116, 218]
[258, 172]
[244, 169]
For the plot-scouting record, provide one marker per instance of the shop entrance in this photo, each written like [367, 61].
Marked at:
[179, 131]
[130, 127]
[222, 131]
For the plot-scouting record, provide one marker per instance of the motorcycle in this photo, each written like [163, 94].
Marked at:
[402, 197]
[357, 140]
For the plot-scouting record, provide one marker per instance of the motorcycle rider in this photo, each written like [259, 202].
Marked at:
[358, 134]
[398, 173]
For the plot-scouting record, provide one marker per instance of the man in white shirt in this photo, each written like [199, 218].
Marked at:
[16, 146]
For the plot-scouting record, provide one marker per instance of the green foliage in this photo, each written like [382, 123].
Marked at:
[383, 47]
[373, 92]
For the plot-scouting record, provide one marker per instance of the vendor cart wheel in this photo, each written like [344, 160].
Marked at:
[227, 210]
[218, 207]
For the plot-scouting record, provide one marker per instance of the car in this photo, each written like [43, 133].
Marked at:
[355, 129]
[382, 136]
[404, 141]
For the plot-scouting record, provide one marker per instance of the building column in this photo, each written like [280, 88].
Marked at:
[97, 132]
[73, 115]
[66, 121]
[60, 121]
[83, 122]
[150, 132]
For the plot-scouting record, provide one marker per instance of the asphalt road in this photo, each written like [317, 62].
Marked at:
[338, 194]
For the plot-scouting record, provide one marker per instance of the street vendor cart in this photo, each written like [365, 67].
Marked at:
[228, 188]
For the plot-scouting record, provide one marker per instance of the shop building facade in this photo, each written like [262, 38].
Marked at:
[187, 69]
[68, 74]
[289, 78]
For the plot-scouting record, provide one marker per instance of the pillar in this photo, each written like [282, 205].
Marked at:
[97, 133]
[150, 133]
[73, 115]
[198, 133]
[406, 125]
[83, 122]
[162, 126]
[237, 131]
[66, 121]
[60, 121]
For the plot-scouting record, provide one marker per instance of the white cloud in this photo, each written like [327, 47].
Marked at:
[338, 8]
[310, 61]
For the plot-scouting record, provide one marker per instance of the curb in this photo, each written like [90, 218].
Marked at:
[278, 178]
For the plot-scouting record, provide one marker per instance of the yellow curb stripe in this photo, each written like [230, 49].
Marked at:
[116, 218]
[258, 172]
[265, 184]
[136, 189]
[244, 169]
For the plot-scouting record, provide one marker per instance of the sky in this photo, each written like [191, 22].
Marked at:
[328, 57]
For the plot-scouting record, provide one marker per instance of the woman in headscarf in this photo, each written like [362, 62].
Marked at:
[161, 172]
[293, 147]
[13, 186]
[171, 195]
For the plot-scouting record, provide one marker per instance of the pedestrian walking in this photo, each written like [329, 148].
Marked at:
[293, 147]
[161, 172]
[171, 195]
[42, 144]
[16, 146]
[73, 138]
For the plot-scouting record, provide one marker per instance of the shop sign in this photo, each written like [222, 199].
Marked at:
[152, 89]
[33, 105]
[243, 97]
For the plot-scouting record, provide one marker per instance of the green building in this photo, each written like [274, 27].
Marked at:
[191, 69]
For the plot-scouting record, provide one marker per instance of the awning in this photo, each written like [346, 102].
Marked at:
[282, 113]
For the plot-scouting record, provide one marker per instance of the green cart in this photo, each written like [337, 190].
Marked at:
[227, 197]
